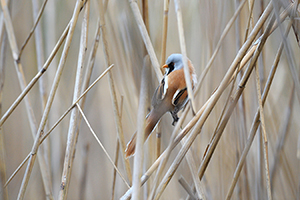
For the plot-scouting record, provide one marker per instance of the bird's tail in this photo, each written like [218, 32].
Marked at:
[131, 146]
[151, 121]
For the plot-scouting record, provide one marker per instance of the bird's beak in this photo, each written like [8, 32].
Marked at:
[165, 66]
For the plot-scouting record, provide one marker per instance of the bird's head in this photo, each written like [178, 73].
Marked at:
[174, 62]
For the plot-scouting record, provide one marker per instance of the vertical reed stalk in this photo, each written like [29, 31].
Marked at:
[3, 49]
[139, 155]
[256, 121]
[113, 91]
[49, 102]
[183, 52]
[72, 133]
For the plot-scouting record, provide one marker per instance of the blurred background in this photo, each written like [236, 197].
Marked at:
[92, 174]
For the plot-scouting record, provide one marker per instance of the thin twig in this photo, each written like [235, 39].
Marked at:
[17, 170]
[58, 121]
[49, 101]
[164, 32]
[38, 17]
[39, 49]
[101, 145]
[265, 140]
[162, 160]
[113, 91]
[21, 78]
[241, 109]
[287, 48]
[193, 169]
[215, 97]
[218, 46]
[209, 102]
[139, 20]
[18, 66]
[250, 19]
[35, 78]
[229, 111]
[44, 156]
[72, 133]
[255, 123]
[72, 106]
[184, 55]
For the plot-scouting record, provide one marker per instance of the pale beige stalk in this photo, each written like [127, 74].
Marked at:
[72, 133]
[113, 91]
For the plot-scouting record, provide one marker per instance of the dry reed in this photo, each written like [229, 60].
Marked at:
[232, 45]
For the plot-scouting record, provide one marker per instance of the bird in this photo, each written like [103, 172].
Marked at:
[170, 96]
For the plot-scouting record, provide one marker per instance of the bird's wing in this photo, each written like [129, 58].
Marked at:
[160, 91]
[179, 97]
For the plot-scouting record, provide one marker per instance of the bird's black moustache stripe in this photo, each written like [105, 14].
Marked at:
[171, 67]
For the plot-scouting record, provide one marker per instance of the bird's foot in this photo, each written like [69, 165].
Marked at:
[175, 119]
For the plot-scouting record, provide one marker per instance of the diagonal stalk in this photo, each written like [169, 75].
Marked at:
[72, 133]
[256, 122]
[49, 101]
[117, 117]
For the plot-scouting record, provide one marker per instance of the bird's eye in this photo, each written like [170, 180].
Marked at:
[171, 67]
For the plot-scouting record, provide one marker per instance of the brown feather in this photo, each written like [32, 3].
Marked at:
[165, 98]
[151, 121]
[131, 146]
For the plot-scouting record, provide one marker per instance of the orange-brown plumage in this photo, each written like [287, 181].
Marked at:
[169, 96]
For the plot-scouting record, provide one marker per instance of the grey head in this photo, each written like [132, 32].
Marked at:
[174, 62]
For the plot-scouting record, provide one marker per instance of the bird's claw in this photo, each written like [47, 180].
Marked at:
[175, 119]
